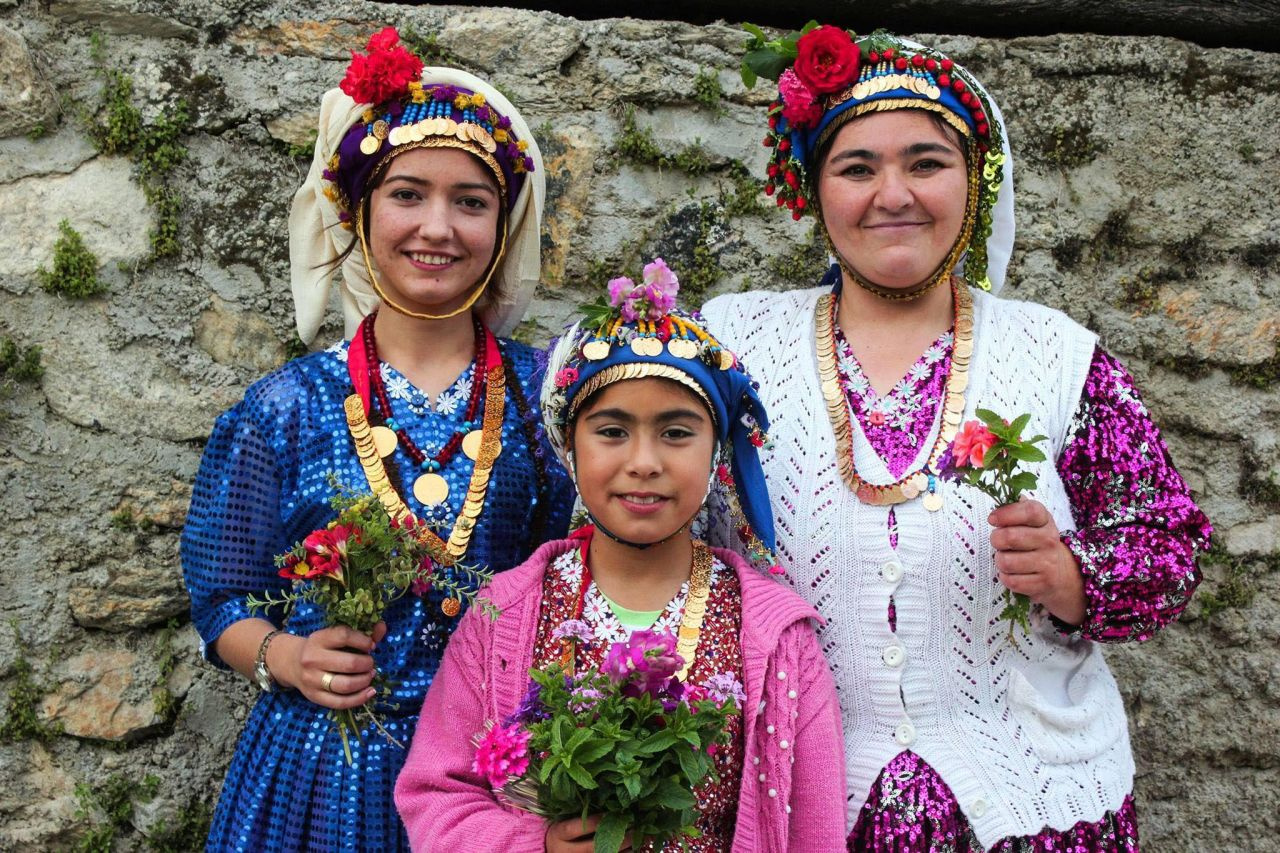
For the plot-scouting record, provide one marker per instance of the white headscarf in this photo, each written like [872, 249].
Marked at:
[317, 238]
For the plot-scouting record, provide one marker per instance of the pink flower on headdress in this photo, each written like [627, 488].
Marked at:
[566, 376]
[384, 73]
[649, 300]
[800, 106]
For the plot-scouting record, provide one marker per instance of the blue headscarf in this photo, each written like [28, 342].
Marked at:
[645, 336]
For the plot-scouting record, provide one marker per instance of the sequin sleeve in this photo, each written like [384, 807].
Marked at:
[1138, 530]
[233, 529]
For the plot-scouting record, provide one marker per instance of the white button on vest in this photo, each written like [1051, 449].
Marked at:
[979, 808]
[905, 734]
[891, 571]
[893, 656]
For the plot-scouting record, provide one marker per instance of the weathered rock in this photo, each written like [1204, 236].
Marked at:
[44, 796]
[105, 697]
[137, 593]
[99, 199]
[241, 338]
[26, 103]
[122, 17]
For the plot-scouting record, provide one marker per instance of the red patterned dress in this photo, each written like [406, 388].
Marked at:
[719, 651]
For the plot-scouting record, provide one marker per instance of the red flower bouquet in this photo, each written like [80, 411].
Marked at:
[353, 569]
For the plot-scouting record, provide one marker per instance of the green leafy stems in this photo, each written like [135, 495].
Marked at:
[629, 760]
[988, 454]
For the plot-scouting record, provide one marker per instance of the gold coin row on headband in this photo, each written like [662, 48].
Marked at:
[418, 131]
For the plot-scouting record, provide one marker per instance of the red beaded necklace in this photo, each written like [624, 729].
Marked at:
[429, 488]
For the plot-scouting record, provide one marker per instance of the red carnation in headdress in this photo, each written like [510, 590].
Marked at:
[384, 73]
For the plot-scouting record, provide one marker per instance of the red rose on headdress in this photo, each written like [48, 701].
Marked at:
[384, 73]
[827, 59]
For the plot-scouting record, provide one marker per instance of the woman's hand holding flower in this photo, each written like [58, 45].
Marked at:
[1032, 559]
[304, 662]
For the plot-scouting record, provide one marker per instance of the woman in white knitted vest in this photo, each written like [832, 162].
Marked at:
[958, 736]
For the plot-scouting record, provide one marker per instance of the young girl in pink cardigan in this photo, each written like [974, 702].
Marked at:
[640, 405]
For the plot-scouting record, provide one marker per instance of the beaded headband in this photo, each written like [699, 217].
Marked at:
[826, 79]
[403, 114]
[639, 333]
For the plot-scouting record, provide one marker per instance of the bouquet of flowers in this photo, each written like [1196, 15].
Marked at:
[629, 743]
[354, 568]
[986, 454]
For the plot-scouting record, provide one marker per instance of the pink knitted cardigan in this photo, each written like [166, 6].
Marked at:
[792, 794]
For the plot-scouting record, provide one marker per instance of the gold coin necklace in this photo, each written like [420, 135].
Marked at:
[923, 481]
[695, 608]
[430, 488]
[480, 440]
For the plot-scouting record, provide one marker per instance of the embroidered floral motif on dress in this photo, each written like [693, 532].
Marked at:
[898, 423]
[597, 613]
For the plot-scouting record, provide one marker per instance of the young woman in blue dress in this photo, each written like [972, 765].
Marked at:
[424, 196]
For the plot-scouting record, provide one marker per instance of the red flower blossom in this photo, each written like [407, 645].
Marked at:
[827, 59]
[384, 73]
[971, 444]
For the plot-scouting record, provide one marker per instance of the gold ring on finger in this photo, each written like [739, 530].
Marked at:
[326, 681]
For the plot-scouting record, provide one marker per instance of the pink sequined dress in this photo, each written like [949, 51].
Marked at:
[1138, 577]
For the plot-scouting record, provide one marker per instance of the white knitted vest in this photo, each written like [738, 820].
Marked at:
[1027, 736]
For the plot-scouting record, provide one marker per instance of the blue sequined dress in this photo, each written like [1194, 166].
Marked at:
[263, 484]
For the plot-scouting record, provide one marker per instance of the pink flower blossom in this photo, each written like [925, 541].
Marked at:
[502, 754]
[651, 299]
[619, 289]
[971, 444]
[566, 377]
[572, 629]
[799, 103]
[725, 685]
[644, 663]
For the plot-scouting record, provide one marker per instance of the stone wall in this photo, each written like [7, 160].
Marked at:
[1146, 198]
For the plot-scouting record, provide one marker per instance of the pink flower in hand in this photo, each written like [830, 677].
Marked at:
[502, 754]
[971, 444]
[644, 663]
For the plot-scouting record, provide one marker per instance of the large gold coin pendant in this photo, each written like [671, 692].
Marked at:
[933, 501]
[431, 489]
[471, 444]
[384, 440]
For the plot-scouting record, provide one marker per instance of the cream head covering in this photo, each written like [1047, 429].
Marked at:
[320, 221]
[828, 77]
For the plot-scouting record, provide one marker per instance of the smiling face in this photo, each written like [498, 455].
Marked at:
[642, 457]
[433, 228]
[893, 191]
